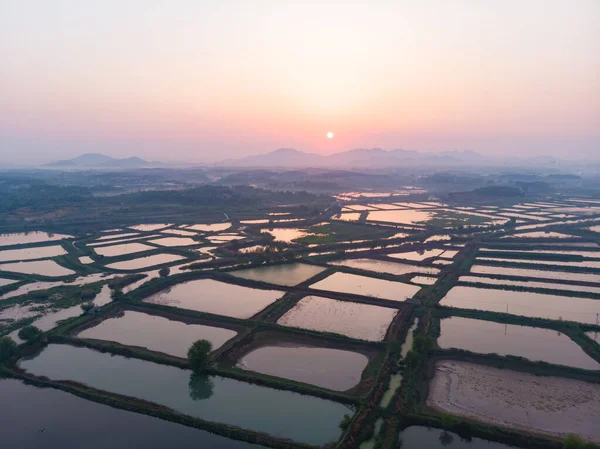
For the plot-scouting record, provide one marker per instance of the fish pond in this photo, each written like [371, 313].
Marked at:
[418, 255]
[335, 369]
[382, 266]
[367, 286]
[122, 249]
[31, 253]
[33, 424]
[540, 274]
[156, 333]
[285, 274]
[520, 303]
[533, 343]
[400, 216]
[530, 284]
[551, 405]
[216, 227]
[361, 321]
[22, 238]
[220, 298]
[213, 398]
[175, 241]
[41, 267]
[144, 262]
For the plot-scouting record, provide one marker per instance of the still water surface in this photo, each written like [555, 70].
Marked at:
[329, 368]
[534, 343]
[220, 298]
[277, 412]
[33, 424]
[156, 333]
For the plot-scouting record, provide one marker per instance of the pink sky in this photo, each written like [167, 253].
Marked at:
[202, 81]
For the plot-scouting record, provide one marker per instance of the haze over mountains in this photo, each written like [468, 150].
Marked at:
[368, 158]
[97, 160]
[378, 158]
[375, 158]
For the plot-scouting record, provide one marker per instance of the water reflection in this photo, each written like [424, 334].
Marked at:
[201, 387]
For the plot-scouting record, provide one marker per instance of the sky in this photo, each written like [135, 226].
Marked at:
[191, 80]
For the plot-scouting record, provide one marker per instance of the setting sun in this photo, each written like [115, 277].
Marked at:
[330, 135]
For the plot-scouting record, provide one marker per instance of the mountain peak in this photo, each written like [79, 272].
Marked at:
[98, 160]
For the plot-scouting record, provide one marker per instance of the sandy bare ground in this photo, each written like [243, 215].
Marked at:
[549, 405]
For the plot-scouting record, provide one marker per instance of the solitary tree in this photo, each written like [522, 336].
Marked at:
[117, 294]
[30, 333]
[87, 306]
[199, 355]
[164, 272]
[8, 348]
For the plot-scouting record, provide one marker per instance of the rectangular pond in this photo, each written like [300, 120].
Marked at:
[361, 321]
[335, 369]
[149, 227]
[367, 286]
[400, 216]
[156, 333]
[530, 284]
[382, 266]
[41, 267]
[181, 232]
[175, 241]
[280, 413]
[284, 274]
[583, 264]
[540, 235]
[39, 252]
[117, 236]
[145, 262]
[532, 273]
[423, 280]
[122, 249]
[220, 298]
[33, 424]
[285, 234]
[537, 305]
[418, 255]
[215, 227]
[533, 343]
[22, 238]
[550, 405]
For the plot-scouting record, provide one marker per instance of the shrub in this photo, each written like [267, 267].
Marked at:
[199, 355]
[117, 294]
[164, 272]
[30, 333]
[87, 306]
[576, 442]
[8, 348]
[346, 420]
[411, 359]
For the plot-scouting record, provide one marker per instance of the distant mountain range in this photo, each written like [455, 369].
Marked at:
[361, 158]
[374, 158]
[97, 160]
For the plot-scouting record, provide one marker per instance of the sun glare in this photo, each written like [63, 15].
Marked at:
[330, 135]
